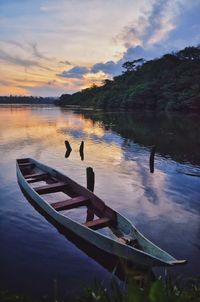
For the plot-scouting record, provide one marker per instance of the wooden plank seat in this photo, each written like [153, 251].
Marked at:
[44, 177]
[26, 165]
[71, 203]
[97, 223]
[35, 175]
[51, 188]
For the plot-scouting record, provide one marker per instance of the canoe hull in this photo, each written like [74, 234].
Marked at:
[100, 241]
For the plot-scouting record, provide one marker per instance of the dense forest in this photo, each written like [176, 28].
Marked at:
[171, 82]
[25, 100]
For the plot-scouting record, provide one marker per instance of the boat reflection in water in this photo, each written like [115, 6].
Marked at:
[124, 270]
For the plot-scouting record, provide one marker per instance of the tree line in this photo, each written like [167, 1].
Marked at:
[171, 82]
[25, 100]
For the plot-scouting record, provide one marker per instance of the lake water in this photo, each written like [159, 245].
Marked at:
[164, 205]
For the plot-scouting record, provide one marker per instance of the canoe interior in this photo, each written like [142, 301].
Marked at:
[105, 259]
[65, 197]
[79, 204]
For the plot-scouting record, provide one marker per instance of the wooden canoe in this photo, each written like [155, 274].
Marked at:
[124, 241]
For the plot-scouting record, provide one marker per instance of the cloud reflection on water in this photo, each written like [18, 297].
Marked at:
[164, 205]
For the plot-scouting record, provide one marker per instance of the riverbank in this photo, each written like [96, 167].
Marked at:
[169, 83]
[159, 290]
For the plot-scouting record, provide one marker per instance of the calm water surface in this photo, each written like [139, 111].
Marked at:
[165, 206]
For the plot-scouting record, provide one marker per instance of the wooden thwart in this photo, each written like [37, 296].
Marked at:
[98, 223]
[37, 179]
[31, 178]
[70, 203]
[25, 165]
[36, 175]
[51, 188]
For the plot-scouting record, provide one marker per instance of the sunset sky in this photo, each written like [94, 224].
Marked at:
[52, 47]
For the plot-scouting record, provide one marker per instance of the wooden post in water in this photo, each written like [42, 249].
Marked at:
[151, 159]
[90, 179]
[67, 154]
[90, 186]
[81, 147]
[90, 214]
[81, 150]
[68, 147]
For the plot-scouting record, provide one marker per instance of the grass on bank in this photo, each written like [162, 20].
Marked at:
[156, 291]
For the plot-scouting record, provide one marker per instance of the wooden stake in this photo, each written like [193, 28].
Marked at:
[81, 147]
[90, 179]
[90, 214]
[67, 145]
[67, 154]
[151, 159]
[81, 150]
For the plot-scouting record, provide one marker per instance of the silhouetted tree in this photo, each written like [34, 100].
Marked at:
[132, 65]
[189, 53]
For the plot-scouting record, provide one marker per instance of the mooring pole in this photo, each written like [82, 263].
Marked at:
[67, 153]
[67, 145]
[90, 179]
[81, 147]
[151, 159]
[90, 214]
[81, 150]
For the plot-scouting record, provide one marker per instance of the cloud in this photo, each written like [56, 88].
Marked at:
[75, 72]
[153, 26]
[142, 39]
[53, 82]
[138, 52]
[43, 90]
[160, 22]
[97, 71]
[4, 83]
[110, 68]
[16, 58]
[4, 56]
[133, 52]
[167, 26]
[38, 37]
[187, 31]
[149, 35]
[15, 43]
[36, 52]
[132, 35]
[27, 48]
[65, 62]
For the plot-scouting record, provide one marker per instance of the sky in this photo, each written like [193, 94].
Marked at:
[50, 47]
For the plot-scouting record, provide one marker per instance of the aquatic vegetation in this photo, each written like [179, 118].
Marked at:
[156, 291]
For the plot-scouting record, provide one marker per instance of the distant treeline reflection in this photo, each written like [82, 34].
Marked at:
[175, 135]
